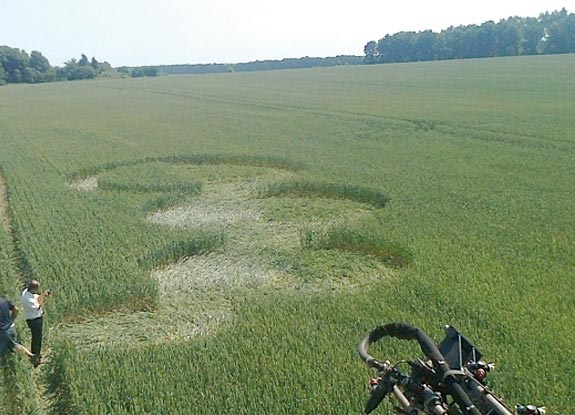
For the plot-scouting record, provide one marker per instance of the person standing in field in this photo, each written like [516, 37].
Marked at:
[33, 300]
[8, 343]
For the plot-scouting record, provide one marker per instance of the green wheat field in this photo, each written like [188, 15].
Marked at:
[220, 244]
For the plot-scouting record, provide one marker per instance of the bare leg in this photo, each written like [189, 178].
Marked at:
[22, 349]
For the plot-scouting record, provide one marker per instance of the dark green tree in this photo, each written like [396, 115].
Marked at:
[73, 70]
[83, 60]
[145, 71]
[423, 46]
[95, 64]
[469, 42]
[559, 32]
[14, 62]
[532, 33]
[40, 69]
[447, 43]
[371, 53]
[508, 38]
[486, 39]
[39, 62]
[17, 66]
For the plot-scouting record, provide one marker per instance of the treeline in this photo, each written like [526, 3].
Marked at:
[139, 71]
[265, 65]
[550, 33]
[86, 69]
[17, 66]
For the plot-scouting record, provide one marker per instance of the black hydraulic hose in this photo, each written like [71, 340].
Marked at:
[407, 332]
[401, 331]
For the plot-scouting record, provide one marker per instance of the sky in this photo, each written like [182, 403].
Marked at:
[156, 32]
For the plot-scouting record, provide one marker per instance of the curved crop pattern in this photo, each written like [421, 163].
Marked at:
[241, 225]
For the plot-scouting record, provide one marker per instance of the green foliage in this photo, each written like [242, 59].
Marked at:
[268, 369]
[191, 159]
[559, 35]
[144, 71]
[74, 70]
[175, 251]
[86, 69]
[17, 391]
[264, 65]
[16, 66]
[39, 62]
[550, 33]
[18, 394]
[326, 190]
[363, 241]
[277, 162]
[189, 188]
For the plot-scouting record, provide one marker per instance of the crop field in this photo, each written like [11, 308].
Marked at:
[220, 244]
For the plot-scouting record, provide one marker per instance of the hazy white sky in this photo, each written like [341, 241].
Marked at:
[153, 32]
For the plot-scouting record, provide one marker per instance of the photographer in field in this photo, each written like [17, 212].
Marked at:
[33, 301]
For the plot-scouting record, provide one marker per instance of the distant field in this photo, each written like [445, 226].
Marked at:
[219, 244]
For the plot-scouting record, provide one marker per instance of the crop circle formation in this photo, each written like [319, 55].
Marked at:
[275, 225]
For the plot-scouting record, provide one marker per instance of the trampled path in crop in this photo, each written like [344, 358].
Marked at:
[247, 265]
[4, 216]
[41, 398]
